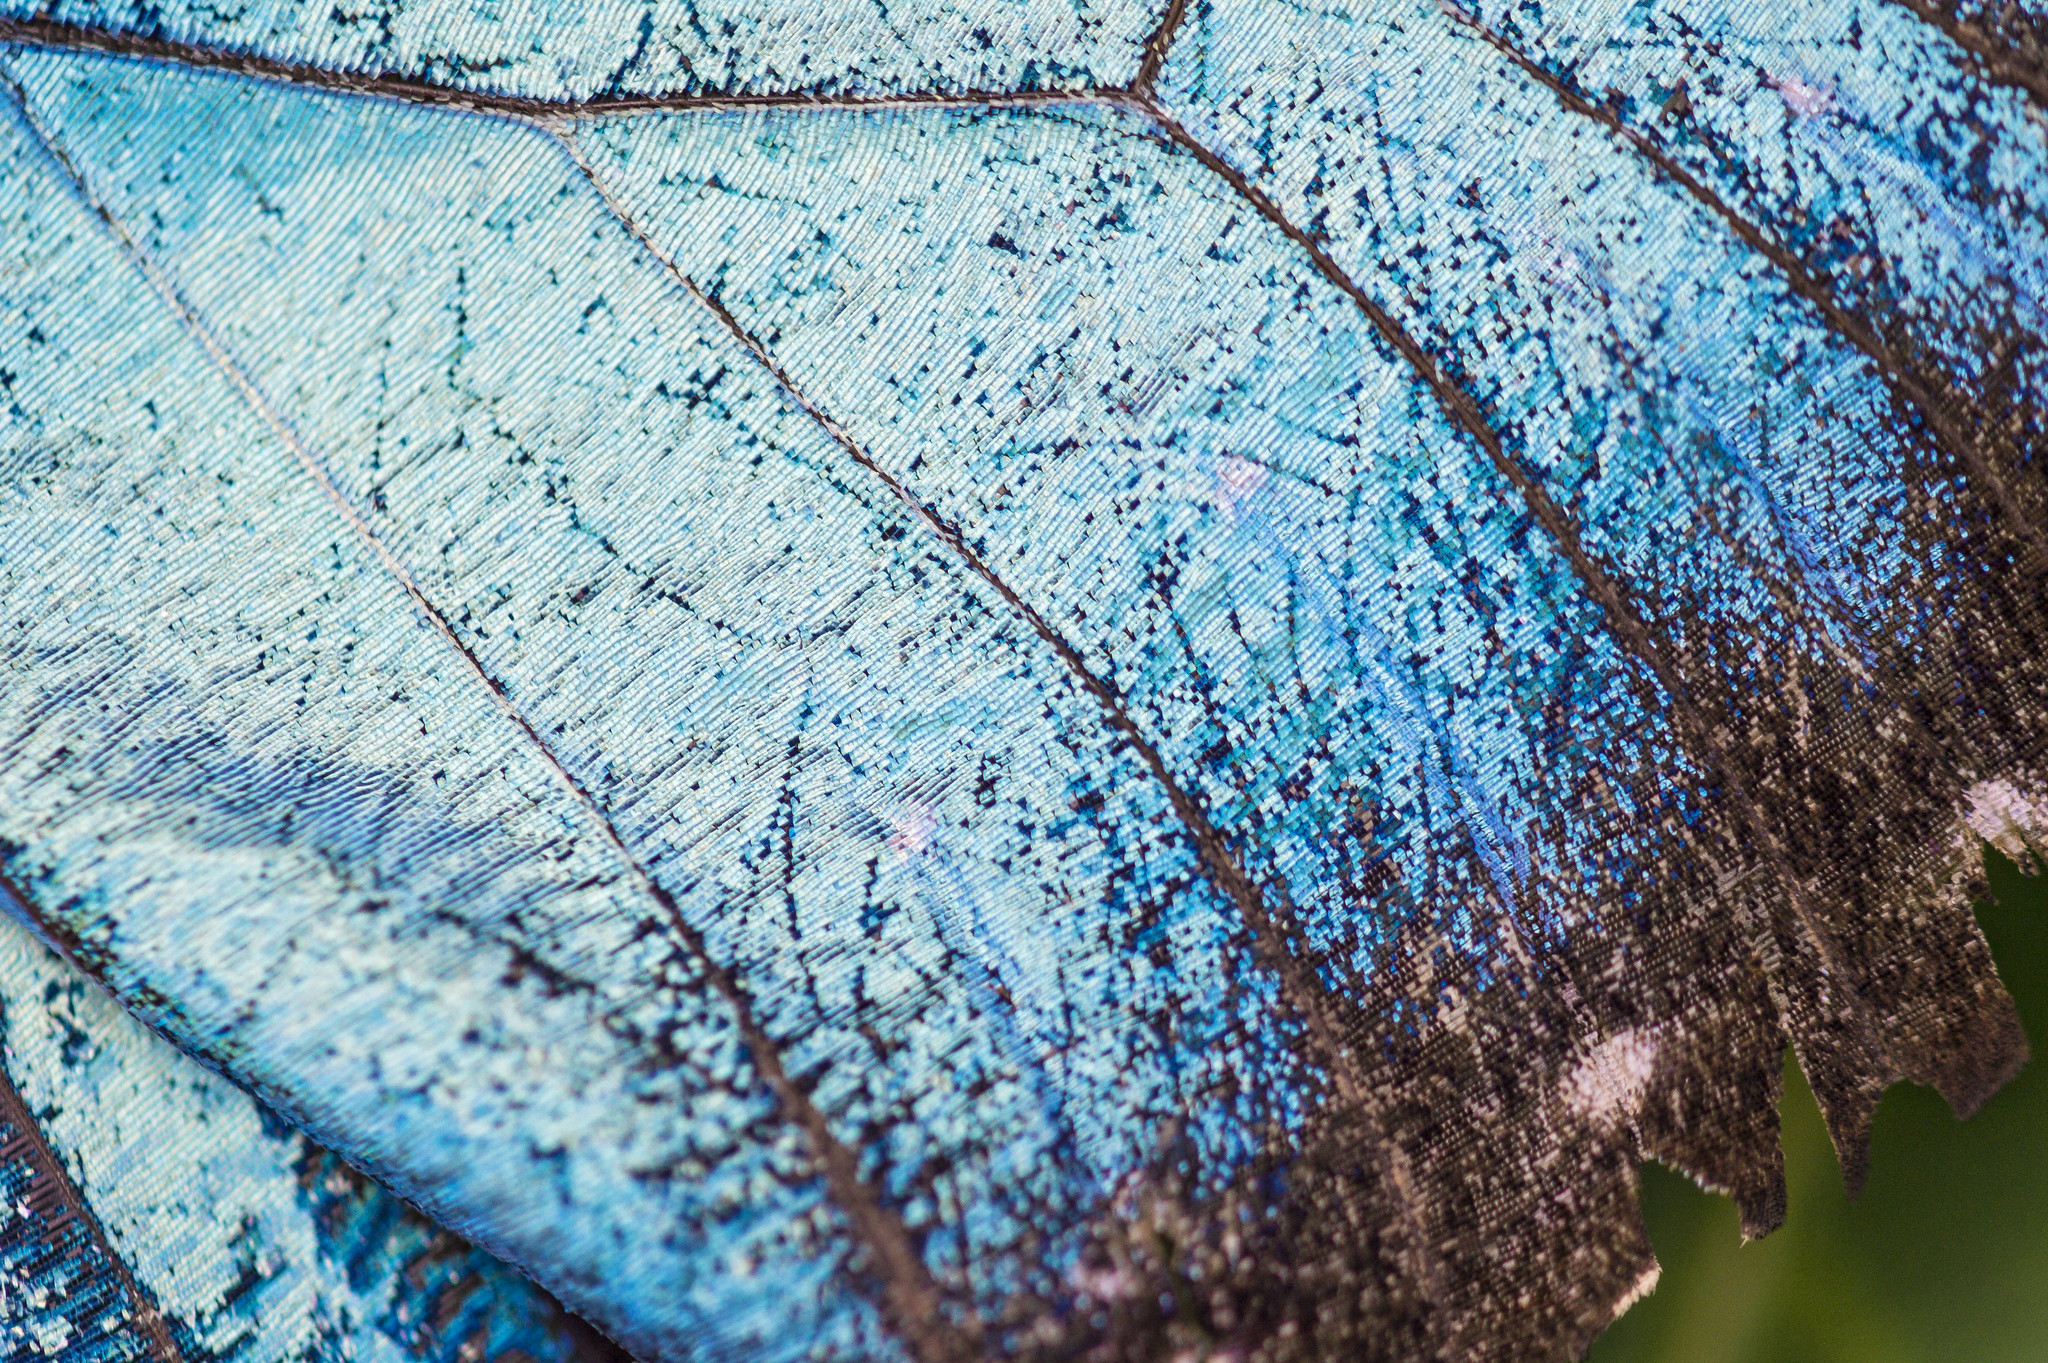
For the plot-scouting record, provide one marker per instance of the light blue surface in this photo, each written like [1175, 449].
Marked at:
[254, 1244]
[788, 722]
[308, 793]
[576, 50]
[250, 1241]
[326, 349]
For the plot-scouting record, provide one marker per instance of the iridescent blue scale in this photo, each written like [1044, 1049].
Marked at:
[987, 678]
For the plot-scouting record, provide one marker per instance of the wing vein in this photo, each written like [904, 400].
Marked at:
[913, 1303]
[1987, 50]
[1158, 45]
[1947, 420]
[1277, 938]
[1618, 610]
[55, 35]
[54, 1184]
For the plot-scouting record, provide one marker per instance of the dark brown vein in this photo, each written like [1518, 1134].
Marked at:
[1616, 607]
[54, 1182]
[913, 1303]
[56, 36]
[1950, 426]
[913, 1297]
[1157, 46]
[1274, 933]
[1217, 857]
[1988, 53]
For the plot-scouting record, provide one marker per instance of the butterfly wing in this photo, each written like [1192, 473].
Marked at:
[159, 1213]
[1112, 694]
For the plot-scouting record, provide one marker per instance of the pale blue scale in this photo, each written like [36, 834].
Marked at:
[1238, 426]
[1569, 206]
[801, 717]
[1856, 108]
[212, 689]
[1536, 257]
[569, 50]
[206, 1199]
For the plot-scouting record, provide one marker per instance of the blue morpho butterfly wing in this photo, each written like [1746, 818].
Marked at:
[154, 1209]
[1043, 682]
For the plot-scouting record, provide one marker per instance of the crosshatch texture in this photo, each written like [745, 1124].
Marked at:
[1009, 680]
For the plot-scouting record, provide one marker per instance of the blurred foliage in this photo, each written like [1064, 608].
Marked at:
[1945, 1256]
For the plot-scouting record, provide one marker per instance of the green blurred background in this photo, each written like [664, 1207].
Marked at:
[1945, 1256]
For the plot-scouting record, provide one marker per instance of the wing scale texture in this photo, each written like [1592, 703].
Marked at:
[1049, 682]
